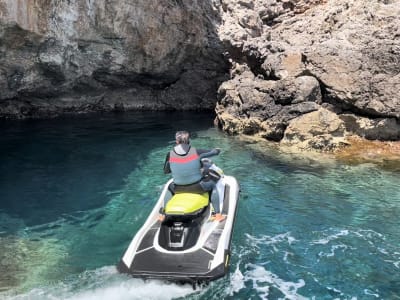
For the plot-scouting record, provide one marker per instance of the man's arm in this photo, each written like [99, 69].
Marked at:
[167, 168]
[208, 153]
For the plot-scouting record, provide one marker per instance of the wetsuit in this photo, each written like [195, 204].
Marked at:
[184, 162]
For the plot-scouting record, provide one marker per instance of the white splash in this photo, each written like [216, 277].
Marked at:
[263, 280]
[134, 289]
[334, 248]
[236, 282]
[271, 240]
[330, 238]
[286, 256]
[105, 283]
[368, 292]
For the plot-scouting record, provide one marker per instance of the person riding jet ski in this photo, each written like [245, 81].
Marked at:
[189, 176]
[181, 241]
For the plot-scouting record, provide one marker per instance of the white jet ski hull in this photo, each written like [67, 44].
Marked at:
[207, 260]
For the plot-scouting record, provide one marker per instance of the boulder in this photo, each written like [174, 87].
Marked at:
[321, 130]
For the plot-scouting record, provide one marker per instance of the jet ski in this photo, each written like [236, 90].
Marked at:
[188, 245]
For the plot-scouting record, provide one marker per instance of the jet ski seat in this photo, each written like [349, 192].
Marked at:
[186, 204]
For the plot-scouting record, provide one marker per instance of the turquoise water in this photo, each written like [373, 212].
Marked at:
[74, 191]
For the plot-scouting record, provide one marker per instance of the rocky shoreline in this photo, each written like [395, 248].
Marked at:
[312, 74]
[304, 74]
[381, 153]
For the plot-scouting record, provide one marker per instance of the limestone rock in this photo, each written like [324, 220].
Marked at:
[264, 107]
[289, 60]
[372, 129]
[322, 130]
[72, 56]
[338, 55]
[297, 90]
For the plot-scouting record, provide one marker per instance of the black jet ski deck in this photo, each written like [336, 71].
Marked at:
[153, 262]
[206, 260]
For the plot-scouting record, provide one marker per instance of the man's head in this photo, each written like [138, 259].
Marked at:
[182, 137]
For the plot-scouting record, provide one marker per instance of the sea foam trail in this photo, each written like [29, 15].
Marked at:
[106, 283]
[236, 282]
[263, 280]
[135, 289]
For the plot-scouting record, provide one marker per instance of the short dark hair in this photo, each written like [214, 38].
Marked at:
[182, 137]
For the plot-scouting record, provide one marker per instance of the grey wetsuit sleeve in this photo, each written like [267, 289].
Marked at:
[167, 168]
[207, 153]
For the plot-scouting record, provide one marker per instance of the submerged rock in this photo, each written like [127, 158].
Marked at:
[384, 154]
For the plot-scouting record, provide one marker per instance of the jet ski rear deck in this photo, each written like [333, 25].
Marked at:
[207, 259]
[191, 266]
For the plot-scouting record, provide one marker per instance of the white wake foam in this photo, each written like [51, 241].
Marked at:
[104, 284]
[264, 280]
[332, 237]
[236, 282]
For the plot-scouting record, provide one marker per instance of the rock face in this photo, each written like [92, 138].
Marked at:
[82, 55]
[308, 73]
[311, 72]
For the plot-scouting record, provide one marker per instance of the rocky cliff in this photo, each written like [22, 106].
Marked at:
[311, 73]
[61, 56]
[306, 73]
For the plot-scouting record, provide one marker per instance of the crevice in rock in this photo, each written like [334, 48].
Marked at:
[288, 5]
[271, 22]
[254, 60]
[115, 80]
[276, 135]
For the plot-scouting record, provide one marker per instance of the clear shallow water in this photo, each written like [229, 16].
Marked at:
[73, 192]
